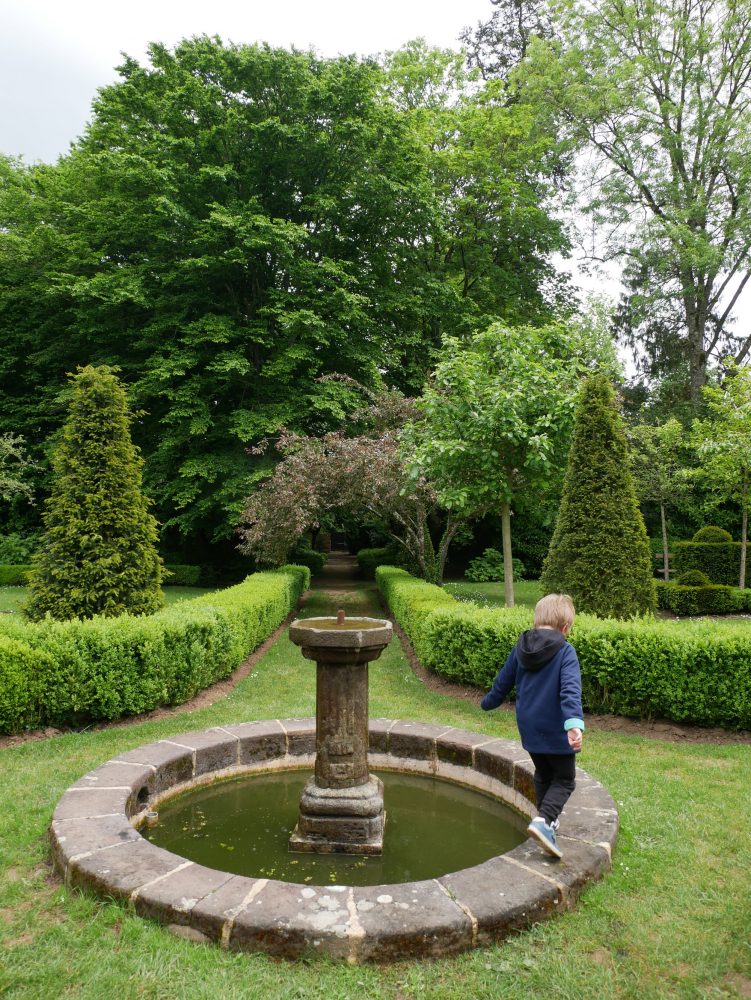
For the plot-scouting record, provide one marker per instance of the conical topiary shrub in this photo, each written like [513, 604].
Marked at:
[599, 553]
[98, 555]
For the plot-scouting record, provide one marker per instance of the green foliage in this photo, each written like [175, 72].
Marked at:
[22, 672]
[497, 415]
[15, 575]
[14, 463]
[181, 575]
[368, 560]
[697, 599]
[723, 441]
[489, 567]
[719, 560]
[712, 535]
[652, 90]
[600, 552]
[239, 220]
[304, 555]
[693, 578]
[411, 600]
[643, 668]
[104, 668]
[16, 548]
[98, 555]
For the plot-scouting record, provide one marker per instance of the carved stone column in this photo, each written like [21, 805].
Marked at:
[341, 807]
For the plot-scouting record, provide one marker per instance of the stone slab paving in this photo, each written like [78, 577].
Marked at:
[96, 844]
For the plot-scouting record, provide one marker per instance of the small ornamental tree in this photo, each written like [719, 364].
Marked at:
[362, 476]
[724, 444]
[658, 465]
[599, 553]
[99, 554]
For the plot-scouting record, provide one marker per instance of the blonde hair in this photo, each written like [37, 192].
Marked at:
[555, 611]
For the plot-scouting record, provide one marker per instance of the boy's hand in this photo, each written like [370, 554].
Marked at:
[575, 739]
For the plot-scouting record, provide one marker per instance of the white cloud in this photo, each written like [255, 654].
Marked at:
[54, 55]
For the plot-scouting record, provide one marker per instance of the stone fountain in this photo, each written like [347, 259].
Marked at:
[97, 843]
[341, 807]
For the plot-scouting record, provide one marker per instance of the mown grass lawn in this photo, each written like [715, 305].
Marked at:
[671, 920]
[11, 598]
[490, 595]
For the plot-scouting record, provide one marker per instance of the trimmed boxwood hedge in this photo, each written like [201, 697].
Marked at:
[368, 560]
[181, 575]
[643, 667]
[721, 561]
[712, 599]
[69, 673]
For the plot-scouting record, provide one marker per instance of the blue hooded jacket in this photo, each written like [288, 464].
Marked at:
[545, 670]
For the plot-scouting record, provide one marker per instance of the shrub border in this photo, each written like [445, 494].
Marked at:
[642, 668]
[73, 672]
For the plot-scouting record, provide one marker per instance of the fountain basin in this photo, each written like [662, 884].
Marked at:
[96, 845]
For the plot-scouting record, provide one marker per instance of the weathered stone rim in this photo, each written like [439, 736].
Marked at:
[96, 845]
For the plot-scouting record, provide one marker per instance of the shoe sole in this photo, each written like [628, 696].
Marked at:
[544, 843]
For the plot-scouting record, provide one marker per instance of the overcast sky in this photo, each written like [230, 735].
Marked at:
[55, 53]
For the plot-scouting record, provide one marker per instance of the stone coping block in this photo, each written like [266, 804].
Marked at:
[96, 844]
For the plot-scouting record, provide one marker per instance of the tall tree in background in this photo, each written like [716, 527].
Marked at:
[98, 555]
[658, 92]
[498, 45]
[486, 254]
[600, 552]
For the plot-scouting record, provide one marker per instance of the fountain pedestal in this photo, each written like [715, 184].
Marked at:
[341, 807]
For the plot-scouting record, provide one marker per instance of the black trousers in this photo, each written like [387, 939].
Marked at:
[555, 780]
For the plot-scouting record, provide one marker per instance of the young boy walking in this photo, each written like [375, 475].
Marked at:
[545, 670]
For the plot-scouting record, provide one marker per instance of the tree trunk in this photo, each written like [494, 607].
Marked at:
[665, 554]
[508, 568]
[744, 530]
[696, 323]
[443, 548]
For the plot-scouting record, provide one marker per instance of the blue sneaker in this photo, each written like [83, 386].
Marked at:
[544, 834]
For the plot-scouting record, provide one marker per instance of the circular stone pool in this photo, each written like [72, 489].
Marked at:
[97, 844]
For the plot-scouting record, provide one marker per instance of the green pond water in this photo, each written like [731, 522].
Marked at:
[243, 825]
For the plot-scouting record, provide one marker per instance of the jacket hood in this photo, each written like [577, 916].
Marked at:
[537, 647]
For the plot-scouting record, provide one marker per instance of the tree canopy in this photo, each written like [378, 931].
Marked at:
[240, 220]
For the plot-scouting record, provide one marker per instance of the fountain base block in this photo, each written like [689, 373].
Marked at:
[340, 820]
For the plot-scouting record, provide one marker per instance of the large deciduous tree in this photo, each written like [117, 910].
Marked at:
[98, 555]
[239, 220]
[600, 552]
[659, 93]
